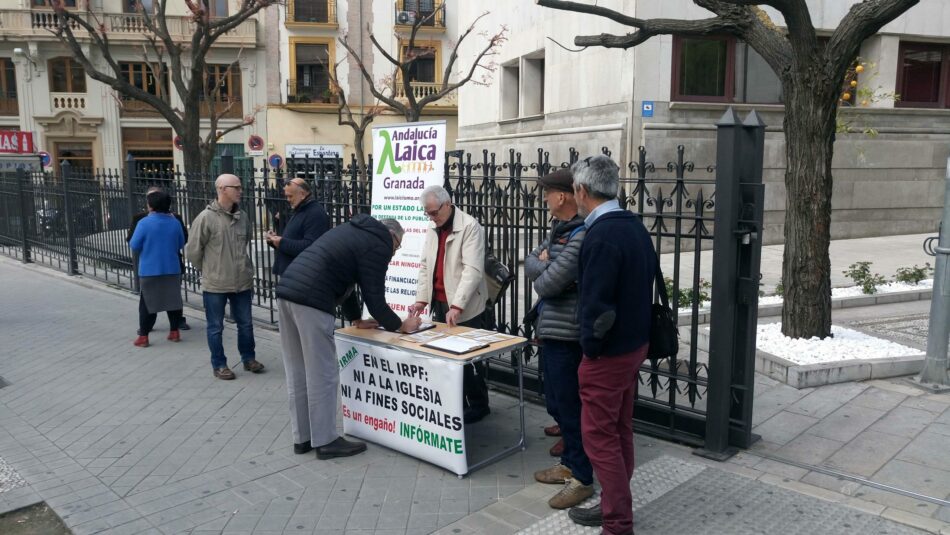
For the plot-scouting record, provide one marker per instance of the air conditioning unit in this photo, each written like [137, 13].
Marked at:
[405, 17]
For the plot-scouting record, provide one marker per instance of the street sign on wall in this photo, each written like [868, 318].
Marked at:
[16, 142]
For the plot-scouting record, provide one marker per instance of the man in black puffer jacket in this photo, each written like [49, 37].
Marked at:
[323, 276]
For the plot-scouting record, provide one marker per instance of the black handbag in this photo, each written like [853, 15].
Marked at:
[664, 335]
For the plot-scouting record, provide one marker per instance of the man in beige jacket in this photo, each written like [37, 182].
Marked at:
[217, 247]
[451, 282]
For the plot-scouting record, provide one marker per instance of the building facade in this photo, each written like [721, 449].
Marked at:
[303, 50]
[77, 119]
[670, 91]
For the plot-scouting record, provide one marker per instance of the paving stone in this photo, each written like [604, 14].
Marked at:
[929, 449]
[867, 453]
[809, 449]
[785, 426]
[904, 421]
[846, 423]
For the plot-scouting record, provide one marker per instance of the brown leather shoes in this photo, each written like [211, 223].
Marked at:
[174, 336]
[253, 366]
[224, 374]
[574, 493]
[141, 341]
[558, 449]
[553, 430]
[555, 475]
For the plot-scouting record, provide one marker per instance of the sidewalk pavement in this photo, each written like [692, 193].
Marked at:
[119, 439]
[886, 253]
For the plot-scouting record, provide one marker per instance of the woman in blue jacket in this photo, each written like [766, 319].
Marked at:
[157, 239]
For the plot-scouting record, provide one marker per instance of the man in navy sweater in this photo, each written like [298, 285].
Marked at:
[615, 278]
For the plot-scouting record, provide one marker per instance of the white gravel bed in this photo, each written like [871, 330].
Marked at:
[9, 478]
[847, 344]
[848, 291]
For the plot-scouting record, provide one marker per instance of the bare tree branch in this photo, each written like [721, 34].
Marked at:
[862, 21]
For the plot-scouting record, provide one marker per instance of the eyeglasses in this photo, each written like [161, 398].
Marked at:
[433, 213]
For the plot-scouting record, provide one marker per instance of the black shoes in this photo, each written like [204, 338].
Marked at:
[182, 326]
[587, 516]
[302, 448]
[475, 414]
[340, 448]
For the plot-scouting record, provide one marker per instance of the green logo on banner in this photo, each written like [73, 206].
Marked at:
[348, 357]
[387, 155]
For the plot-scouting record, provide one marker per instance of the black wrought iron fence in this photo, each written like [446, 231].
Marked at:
[77, 222]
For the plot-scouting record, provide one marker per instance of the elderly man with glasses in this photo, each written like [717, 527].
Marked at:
[451, 283]
[615, 279]
[322, 277]
[308, 221]
[218, 248]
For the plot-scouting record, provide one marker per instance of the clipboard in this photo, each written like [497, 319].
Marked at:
[456, 345]
[422, 327]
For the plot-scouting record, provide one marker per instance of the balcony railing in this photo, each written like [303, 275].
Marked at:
[311, 11]
[224, 109]
[136, 108]
[8, 104]
[68, 101]
[409, 11]
[39, 23]
[317, 91]
[421, 90]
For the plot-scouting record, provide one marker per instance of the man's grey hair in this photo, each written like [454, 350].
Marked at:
[437, 192]
[394, 228]
[599, 174]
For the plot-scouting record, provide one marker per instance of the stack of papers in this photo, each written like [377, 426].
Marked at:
[455, 344]
[485, 336]
[422, 337]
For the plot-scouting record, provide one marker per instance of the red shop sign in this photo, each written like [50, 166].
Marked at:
[16, 142]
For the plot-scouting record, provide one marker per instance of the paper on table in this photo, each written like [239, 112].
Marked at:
[495, 337]
[422, 337]
[476, 333]
[455, 344]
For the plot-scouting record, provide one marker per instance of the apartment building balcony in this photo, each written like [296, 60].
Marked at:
[311, 12]
[421, 90]
[68, 101]
[124, 28]
[409, 11]
[136, 108]
[224, 108]
[9, 105]
[314, 92]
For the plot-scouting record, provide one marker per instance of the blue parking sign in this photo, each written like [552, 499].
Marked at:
[647, 108]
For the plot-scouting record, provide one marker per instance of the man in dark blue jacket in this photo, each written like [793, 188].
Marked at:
[322, 277]
[308, 221]
[615, 278]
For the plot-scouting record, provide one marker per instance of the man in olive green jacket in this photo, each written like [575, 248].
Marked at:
[217, 247]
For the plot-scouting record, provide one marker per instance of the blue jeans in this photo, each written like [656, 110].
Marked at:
[562, 394]
[241, 311]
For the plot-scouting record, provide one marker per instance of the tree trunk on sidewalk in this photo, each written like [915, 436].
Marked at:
[809, 140]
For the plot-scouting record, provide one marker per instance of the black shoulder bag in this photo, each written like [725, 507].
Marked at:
[664, 335]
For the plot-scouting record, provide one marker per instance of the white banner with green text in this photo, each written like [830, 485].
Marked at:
[407, 158]
[407, 402]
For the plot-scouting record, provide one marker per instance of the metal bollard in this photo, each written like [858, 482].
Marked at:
[934, 376]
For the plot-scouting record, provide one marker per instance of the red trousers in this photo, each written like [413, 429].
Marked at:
[608, 386]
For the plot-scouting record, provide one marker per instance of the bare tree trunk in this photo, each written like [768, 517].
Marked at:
[809, 141]
[358, 135]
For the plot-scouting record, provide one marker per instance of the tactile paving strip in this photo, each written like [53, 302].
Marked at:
[673, 496]
[9, 478]
[650, 481]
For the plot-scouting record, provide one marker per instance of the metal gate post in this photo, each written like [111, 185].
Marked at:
[736, 250]
[22, 180]
[72, 263]
[130, 205]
